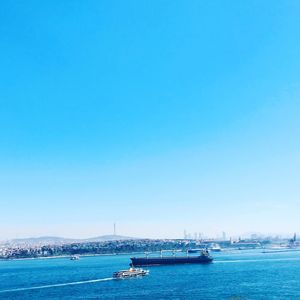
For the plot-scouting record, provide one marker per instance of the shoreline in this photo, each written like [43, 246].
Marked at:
[68, 256]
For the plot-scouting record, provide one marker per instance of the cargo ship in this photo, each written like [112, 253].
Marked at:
[203, 258]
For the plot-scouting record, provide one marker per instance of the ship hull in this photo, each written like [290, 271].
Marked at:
[152, 261]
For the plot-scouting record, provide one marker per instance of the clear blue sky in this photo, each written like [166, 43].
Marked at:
[158, 115]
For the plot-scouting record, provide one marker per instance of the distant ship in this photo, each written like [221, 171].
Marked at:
[215, 247]
[194, 250]
[212, 247]
[203, 258]
[74, 257]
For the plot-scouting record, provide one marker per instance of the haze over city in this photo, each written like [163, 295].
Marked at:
[157, 117]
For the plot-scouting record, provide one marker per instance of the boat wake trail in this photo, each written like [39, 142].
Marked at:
[255, 260]
[56, 285]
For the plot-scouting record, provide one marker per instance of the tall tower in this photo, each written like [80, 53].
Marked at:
[224, 236]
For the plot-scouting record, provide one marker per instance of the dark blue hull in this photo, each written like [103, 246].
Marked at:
[152, 261]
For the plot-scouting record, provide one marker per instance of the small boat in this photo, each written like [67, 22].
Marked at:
[194, 250]
[131, 272]
[215, 247]
[74, 257]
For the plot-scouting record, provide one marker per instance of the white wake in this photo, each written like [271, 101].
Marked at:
[255, 260]
[55, 285]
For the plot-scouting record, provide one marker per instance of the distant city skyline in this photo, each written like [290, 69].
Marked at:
[185, 235]
[158, 116]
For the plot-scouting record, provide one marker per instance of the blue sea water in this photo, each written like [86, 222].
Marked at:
[233, 275]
